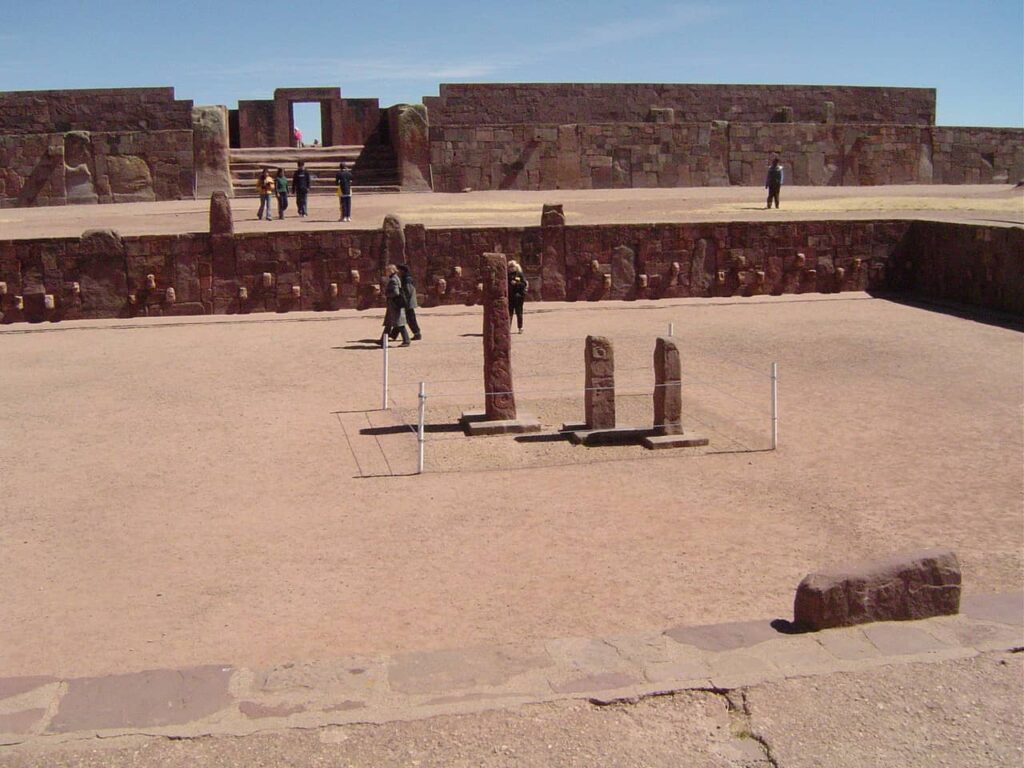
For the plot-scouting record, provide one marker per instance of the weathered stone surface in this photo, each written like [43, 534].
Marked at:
[898, 588]
[700, 270]
[79, 168]
[599, 398]
[623, 273]
[129, 180]
[103, 274]
[142, 699]
[499, 400]
[552, 215]
[668, 388]
[392, 247]
[410, 137]
[210, 147]
[221, 221]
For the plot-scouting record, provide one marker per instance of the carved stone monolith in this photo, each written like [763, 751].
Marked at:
[599, 397]
[221, 221]
[499, 401]
[668, 388]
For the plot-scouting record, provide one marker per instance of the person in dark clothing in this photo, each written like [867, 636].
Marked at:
[281, 188]
[773, 182]
[409, 294]
[343, 181]
[301, 182]
[517, 287]
[394, 315]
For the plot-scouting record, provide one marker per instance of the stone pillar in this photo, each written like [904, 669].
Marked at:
[829, 113]
[407, 125]
[599, 397]
[392, 245]
[500, 403]
[221, 222]
[623, 273]
[211, 151]
[552, 264]
[668, 389]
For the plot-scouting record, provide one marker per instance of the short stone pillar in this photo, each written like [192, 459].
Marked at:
[221, 222]
[599, 397]
[668, 388]
[500, 402]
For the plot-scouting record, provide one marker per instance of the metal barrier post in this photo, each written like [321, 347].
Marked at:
[421, 431]
[671, 330]
[384, 396]
[775, 406]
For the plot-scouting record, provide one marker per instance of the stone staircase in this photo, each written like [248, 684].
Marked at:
[374, 167]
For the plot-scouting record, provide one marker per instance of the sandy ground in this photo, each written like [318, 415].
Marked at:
[998, 204]
[954, 713]
[188, 491]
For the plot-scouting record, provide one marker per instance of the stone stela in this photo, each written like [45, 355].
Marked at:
[499, 415]
[599, 398]
[668, 400]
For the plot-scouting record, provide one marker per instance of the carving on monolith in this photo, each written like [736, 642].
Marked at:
[499, 402]
[699, 278]
[393, 242]
[623, 272]
[668, 390]
[599, 398]
[552, 265]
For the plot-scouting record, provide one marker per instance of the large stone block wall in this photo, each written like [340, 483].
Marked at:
[619, 155]
[981, 266]
[82, 167]
[98, 110]
[499, 103]
[103, 275]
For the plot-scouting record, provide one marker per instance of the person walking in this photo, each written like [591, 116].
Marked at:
[517, 287]
[265, 186]
[281, 188]
[343, 181]
[773, 182]
[394, 316]
[411, 305]
[301, 182]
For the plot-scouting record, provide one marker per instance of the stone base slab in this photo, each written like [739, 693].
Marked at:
[655, 442]
[476, 424]
[580, 435]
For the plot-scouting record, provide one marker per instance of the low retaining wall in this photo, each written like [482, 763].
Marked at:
[623, 155]
[103, 275]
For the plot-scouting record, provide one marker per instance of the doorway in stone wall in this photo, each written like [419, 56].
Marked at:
[307, 117]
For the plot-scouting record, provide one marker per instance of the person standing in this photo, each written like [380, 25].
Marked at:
[265, 186]
[517, 287]
[411, 305]
[394, 315]
[281, 188]
[773, 182]
[343, 181]
[301, 182]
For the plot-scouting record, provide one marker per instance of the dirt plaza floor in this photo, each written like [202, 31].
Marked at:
[985, 203]
[224, 490]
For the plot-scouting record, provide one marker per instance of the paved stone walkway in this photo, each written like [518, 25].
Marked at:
[222, 700]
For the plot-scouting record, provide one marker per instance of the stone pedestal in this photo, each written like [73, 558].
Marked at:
[599, 398]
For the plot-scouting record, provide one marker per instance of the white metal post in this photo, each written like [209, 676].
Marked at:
[671, 330]
[384, 344]
[775, 406]
[420, 432]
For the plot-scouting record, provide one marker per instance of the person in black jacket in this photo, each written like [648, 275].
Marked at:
[773, 182]
[409, 293]
[343, 181]
[301, 182]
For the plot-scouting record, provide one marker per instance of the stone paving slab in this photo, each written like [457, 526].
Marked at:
[219, 699]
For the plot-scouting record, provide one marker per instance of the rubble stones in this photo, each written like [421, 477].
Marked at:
[902, 587]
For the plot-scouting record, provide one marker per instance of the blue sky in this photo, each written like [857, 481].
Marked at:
[220, 51]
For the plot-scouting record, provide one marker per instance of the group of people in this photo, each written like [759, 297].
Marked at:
[400, 292]
[275, 186]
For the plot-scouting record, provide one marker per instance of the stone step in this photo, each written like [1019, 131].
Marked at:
[370, 189]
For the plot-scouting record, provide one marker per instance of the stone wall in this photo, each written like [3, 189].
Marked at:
[81, 167]
[103, 275]
[981, 266]
[648, 154]
[504, 103]
[95, 110]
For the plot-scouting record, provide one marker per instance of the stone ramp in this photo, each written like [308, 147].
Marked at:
[226, 700]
